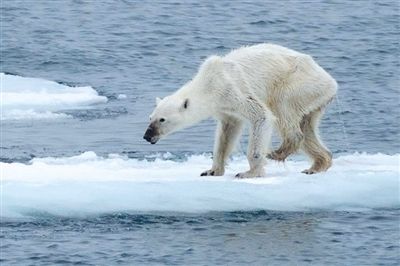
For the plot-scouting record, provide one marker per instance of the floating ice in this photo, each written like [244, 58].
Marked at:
[89, 184]
[34, 98]
[121, 96]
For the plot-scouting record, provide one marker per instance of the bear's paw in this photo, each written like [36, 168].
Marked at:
[213, 172]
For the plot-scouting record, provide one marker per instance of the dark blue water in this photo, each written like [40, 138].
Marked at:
[235, 238]
[146, 49]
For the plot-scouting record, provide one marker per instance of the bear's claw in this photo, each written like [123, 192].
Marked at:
[251, 173]
[207, 173]
[213, 172]
[309, 172]
[240, 175]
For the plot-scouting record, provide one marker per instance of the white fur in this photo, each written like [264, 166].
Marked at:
[266, 85]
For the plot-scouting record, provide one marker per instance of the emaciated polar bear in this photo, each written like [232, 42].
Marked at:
[269, 86]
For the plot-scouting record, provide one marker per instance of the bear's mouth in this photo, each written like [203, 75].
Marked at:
[154, 140]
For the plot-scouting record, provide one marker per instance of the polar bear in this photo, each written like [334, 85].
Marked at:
[266, 85]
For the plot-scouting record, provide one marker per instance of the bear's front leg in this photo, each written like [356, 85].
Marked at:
[260, 136]
[228, 131]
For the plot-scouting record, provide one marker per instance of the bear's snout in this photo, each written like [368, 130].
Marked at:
[151, 135]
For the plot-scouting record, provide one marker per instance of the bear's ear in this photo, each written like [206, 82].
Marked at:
[158, 100]
[185, 104]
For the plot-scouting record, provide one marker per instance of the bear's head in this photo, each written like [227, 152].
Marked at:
[171, 114]
[189, 105]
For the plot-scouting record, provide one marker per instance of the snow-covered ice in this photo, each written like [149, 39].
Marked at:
[35, 98]
[90, 184]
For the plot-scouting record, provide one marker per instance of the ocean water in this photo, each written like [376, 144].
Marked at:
[80, 186]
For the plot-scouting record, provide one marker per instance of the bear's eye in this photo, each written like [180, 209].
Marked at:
[162, 120]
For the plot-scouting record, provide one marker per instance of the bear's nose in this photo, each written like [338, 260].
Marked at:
[148, 134]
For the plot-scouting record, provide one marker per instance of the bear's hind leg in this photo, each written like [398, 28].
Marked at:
[312, 145]
[227, 134]
[292, 139]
